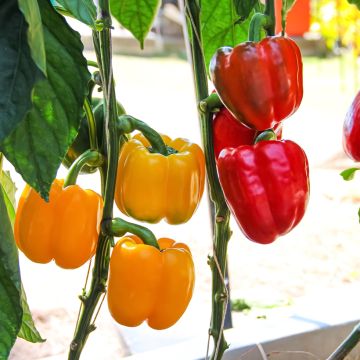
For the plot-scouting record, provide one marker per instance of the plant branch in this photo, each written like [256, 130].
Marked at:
[102, 44]
[222, 214]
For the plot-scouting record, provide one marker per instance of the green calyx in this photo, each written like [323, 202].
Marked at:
[211, 104]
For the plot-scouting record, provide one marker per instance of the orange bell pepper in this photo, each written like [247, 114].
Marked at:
[148, 284]
[65, 229]
[151, 186]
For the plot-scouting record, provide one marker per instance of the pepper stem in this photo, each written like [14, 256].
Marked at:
[265, 136]
[119, 227]
[263, 22]
[127, 124]
[90, 158]
[210, 104]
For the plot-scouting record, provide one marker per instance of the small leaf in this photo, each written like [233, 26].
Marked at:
[359, 215]
[38, 145]
[28, 330]
[244, 7]
[355, 2]
[10, 288]
[349, 174]
[18, 71]
[221, 26]
[83, 10]
[136, 16]
[8, 189]
[31, 12]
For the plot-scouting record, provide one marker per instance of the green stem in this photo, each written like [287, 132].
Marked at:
[119, 227]
[222, 214]
[90, 158]
[92, 124]
[211, 104]
[127, 124]
[260, 22]
[347, 345]
[1, 162]
[92, 63]
[102, 44]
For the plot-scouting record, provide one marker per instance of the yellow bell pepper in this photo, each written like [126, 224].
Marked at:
[65, 229]
[151, 186]
[150, 284]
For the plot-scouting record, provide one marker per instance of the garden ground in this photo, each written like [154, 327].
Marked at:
[322, 253]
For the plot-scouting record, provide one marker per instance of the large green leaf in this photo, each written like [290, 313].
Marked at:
[39, 143]
[28, 330]
[221, 26]
[31, 11]
[8, 189]
[136, 16]
[10, 285]
[18, 71]
[83, 10]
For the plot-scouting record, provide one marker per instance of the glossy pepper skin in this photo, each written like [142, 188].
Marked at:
[148, 284]
[260, 83]
[266, 187]
[228, 132]
[65, 229]
[151, 186]
[351, 130]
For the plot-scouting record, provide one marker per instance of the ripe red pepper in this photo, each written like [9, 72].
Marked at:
[351, 130]
[260, 83]
[228, 132]
[266, 187]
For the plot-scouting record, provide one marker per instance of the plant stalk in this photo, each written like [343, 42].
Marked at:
[222, 214]
[102, 44]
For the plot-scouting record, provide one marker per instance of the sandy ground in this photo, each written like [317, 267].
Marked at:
[321, 253]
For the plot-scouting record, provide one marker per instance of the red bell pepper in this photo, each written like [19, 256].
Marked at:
[260, 83]
[351, 130]
[228, 132]
[266, 187]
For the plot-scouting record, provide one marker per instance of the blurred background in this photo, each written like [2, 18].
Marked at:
[313, 270]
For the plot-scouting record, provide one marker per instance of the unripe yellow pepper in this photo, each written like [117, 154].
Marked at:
[148, 284]
[151, 186]
[65, 229]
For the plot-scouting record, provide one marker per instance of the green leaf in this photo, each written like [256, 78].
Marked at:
[221, 26]
[244, 7]
[355, 2]
[349, 174]
[18, 71]
[40, 142]
[10, 285]
[31, 12]
[8, 189]
[136, 16]
[28, 330]
[83, 10]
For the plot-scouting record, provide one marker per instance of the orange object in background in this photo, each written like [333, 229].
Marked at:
[298, 20]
